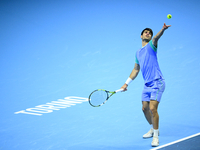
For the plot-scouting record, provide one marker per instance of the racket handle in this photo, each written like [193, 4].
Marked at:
[120, 90]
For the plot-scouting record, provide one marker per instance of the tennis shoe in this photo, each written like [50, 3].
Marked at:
[148, 134]
[155, 141]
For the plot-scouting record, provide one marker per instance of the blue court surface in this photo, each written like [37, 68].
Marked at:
[55, 53]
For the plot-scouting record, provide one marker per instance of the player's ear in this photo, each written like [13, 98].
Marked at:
[141, 36]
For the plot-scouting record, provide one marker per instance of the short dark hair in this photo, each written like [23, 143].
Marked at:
[148, 29]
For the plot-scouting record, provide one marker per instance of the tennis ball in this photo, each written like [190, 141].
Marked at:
[169, 16]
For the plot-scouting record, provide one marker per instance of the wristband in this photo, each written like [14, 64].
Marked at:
[128, 81]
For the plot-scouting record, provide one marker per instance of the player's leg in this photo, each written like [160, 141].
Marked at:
[148, 116]
[146, 111]
[154, 111]
[145, 103]
[156, 94]
[155, 120]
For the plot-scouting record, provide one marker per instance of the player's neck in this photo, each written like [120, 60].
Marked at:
[144, 42]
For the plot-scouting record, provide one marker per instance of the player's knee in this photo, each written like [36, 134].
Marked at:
[153, 110]
[145, 109]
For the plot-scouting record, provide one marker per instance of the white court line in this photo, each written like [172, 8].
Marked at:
[176, 141]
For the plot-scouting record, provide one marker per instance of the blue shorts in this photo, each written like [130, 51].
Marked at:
[153, 90]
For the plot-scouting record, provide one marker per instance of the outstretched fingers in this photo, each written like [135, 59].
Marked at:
[166, 26]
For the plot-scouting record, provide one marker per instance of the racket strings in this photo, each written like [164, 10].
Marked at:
[98, 97]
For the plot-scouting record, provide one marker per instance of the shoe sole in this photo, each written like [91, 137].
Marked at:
[147, 137]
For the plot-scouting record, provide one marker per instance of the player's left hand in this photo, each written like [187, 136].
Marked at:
[166, 26]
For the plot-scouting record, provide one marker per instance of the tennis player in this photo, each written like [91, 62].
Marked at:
[154, 83]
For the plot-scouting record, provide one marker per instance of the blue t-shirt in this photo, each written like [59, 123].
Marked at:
[146, 57]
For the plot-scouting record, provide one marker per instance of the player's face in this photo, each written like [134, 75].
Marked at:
[146, 35]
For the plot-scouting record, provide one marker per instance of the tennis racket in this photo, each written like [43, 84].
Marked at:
[100, 96]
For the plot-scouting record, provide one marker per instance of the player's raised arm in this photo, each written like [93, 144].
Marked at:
[159, 34]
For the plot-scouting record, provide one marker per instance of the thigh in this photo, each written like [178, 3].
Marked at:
[146, 93]
[145, 105]
[157, 90]
[153, 104]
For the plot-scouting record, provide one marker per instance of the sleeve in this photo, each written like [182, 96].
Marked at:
[136, 60]
[152, 46]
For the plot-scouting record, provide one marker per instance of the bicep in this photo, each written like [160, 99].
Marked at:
[155, 41]
[137, 67]
[135, 71]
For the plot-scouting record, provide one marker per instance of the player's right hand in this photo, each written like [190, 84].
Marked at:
[124, 87]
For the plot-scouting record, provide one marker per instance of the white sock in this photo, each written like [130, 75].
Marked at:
[151, 126]
[155, 132]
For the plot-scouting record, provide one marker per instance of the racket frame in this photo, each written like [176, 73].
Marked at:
[108, 96]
